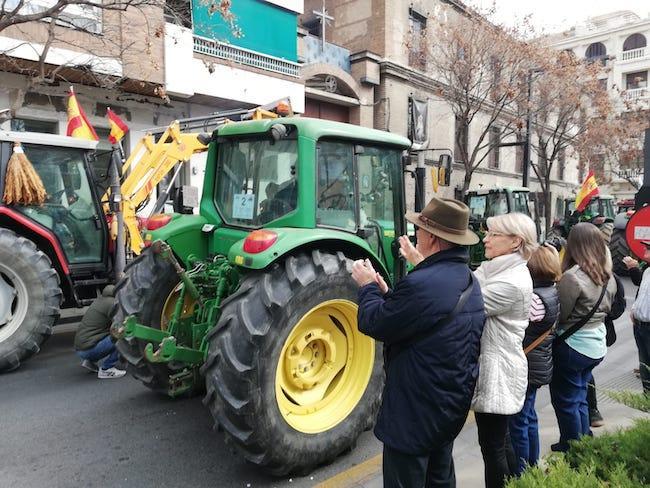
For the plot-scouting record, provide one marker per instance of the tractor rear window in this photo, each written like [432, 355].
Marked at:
[256, 180]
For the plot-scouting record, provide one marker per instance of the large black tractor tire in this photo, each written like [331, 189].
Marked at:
[555, 233]
[607, 229]
[265, 324]
[148, 282]
[30, 298]
[619, 249]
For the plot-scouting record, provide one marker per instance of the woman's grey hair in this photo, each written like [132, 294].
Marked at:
[519, 225]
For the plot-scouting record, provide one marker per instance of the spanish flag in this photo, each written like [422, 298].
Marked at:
[78, 125]
[587, 192]
[118, 127]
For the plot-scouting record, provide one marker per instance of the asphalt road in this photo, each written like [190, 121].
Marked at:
[62, 427]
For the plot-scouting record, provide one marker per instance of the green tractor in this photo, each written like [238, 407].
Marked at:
[252, 301]
[599, 211]
[489, 203]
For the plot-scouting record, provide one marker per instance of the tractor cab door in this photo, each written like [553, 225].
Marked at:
[71, 210]
[359, 191]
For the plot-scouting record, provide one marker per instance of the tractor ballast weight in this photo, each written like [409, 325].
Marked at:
[252, 300]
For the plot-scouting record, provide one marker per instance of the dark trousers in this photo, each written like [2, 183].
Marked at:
[495, 447]
[434, 470]
[642, 338]
[524, 433]
[571, 372]
[592, 402]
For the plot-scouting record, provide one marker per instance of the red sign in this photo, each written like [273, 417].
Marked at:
[637, 233]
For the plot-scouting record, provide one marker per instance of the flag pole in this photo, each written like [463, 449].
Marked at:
[117, 160]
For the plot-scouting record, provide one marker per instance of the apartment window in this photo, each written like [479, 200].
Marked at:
[461, 131]
[596, 52]
[30, 125]
[519, 154]
[561, 163]
[495, 140]
[636, 80]
[418, 38]
[635, 41]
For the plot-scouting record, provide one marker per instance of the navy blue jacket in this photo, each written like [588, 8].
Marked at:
[429, 386]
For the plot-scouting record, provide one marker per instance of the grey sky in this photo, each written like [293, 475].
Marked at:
[556, 15]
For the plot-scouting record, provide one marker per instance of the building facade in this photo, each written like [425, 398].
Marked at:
[376, 33]
[618, 40]
[151, 65]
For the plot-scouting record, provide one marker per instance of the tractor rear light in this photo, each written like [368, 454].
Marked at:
[157, 221]
[259, 240]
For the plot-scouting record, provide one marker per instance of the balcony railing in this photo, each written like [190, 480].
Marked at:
[246, 57]
[331, 54]
[633, 54]
[636, 93]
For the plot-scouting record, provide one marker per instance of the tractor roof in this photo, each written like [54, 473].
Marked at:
[497, 189]
[46, 139]
[315, 129]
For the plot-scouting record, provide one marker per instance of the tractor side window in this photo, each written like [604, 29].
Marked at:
[520, 201]
[257, 180]
[69, 209]
[335, 190]
[497, 204]
[375, 185]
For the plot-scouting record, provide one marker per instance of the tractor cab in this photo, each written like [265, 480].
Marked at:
[69, 226]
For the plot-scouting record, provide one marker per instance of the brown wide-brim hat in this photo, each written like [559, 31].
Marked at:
[446, 218]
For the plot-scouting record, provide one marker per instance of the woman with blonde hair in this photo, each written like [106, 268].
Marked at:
[545, 270]
[586, 291]
[507, 288]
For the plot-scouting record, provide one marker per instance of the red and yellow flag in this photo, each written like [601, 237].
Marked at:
[587, 192]
[78, 125]
[118, 127]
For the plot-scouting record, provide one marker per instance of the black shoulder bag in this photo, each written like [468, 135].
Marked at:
[578, 325]
[394, 350]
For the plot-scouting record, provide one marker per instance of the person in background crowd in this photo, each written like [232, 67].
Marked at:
[586, 291]
[93, 340]
[641, 314]
[544, 266]
[507, 289]
[431, 326]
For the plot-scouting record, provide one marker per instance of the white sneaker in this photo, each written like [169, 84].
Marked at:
[104, 374]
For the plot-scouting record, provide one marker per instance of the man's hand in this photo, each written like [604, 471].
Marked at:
[383, 286]
[408, 250]
[363, 273]
[630, 262]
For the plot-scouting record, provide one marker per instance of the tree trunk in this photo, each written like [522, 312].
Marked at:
[547, 207]
[467, 180]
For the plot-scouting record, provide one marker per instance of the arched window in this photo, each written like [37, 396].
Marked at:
[596, 50]
[635, 41]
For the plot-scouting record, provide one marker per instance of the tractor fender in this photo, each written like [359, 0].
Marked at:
[620, 221]
[185, 234]
[291, 240]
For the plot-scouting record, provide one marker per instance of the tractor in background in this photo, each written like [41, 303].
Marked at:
[599, 211]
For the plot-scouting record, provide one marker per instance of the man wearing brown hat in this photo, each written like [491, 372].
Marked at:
[431, 325]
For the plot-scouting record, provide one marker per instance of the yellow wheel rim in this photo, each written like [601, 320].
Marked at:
[324, 367]
[170, 304]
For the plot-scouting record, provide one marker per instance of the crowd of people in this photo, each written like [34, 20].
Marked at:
[487, 340]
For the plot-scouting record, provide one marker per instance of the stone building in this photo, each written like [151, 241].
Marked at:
[618, 40]
[382, 64]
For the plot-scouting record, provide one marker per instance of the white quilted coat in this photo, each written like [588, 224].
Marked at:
[503, 370]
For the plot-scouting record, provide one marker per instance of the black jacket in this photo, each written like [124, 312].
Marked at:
[540, 359]
[429, 386]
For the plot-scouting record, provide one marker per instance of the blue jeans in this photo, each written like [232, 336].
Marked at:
[642, 338]
[524, 432]
[103, 349]
[571, 372]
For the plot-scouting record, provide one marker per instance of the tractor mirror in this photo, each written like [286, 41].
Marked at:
[279, 132]
[444, 174]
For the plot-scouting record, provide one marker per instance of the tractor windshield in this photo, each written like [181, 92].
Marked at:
[520, 202]
[256, 180]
